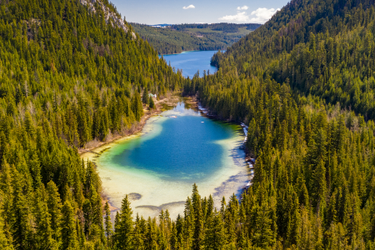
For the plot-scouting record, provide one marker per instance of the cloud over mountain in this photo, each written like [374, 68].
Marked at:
[189, 7]
[261, 15]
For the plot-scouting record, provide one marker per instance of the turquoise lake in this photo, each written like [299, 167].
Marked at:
[176, 149]
[192, 61]
[185, 149]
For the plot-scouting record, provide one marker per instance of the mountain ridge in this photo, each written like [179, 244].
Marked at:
[186, 37]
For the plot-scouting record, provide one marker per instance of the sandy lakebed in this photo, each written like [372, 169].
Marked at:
[153, 191]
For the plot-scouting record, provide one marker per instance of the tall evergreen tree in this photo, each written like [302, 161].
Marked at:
[124, 227]
[145, 97]
[137, 106]
[69, 231]
[54, 209]
[198, 235]
[44, 234]
[215, 233]
[108, 224]
[20, 227]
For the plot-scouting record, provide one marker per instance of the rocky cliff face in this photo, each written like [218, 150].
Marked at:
[110, 17]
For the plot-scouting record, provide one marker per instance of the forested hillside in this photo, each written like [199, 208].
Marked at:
[303, 83]
[186, 37]
[323, 48]
[70, 72]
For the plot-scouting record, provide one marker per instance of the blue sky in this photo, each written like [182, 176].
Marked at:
[198, 11]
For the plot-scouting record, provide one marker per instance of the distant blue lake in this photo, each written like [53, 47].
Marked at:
[192, 61]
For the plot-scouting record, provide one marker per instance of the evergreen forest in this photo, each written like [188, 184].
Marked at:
[68, 75]
[303, 82]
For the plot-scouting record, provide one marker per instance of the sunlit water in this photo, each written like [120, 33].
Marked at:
[175, 150]
[192, 61]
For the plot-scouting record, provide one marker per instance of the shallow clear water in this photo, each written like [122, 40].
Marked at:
[175, 150]
[192, 61]
[185, 149]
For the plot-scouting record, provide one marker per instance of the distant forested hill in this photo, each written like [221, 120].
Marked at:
[177, 38]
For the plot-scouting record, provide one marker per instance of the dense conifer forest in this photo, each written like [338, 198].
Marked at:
[302, 82]
[68, 75]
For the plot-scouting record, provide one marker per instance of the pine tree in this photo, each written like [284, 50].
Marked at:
[124, 227]
[68, 231]
[336, 237]
[151, 102]
[145, 97]
[162, 233]
[7, 191]
[319, 185]
[198, 235]
[35, 170]
[188, 225]
[108, 224]
[243, 240]
[262, 227]
[97, 214]
[151, 235]
[29, 124]
[215, 233]
[137, 106]
[20, 221]
[54, 209]
[210, 207]
[139, 233]
[44, 234]
[87, 214]
[5, 242]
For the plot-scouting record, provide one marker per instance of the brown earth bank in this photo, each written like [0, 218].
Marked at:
[106, 199]
[191, 102]
[171, 99]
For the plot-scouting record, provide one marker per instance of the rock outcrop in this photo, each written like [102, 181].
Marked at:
[109, 16]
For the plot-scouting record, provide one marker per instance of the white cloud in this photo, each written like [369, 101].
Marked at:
[189, 7]
[242, 8]
[261, 15]
[239, 17]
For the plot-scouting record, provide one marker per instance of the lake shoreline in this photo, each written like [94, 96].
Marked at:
[191, 102]
[171, 100]
[250, 162]
[190, 51]
[155, 192]
[95, 151]
[91, 153]
[191, 62]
